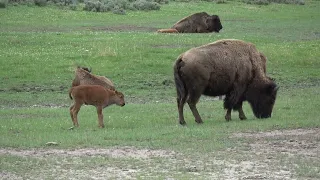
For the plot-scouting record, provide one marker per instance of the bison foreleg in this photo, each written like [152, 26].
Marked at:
[100, 116]
[234, 101]
[228, 115]
[242, 116]
[238, 107]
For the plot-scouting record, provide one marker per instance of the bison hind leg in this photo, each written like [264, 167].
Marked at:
[181, 100]
[192, 101]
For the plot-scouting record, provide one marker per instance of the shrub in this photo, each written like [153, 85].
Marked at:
[220, 1]
[162, 1]
[3, 3]
[118, 10]
[40, 2]
[145, 5]
[120, 6]
[266, 2]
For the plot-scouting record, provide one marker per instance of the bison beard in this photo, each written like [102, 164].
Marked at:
[227, 67]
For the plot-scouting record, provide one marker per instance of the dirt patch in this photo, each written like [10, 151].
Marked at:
[278, 155]
[35, 89]
[292, 142]
[117, 152]
[123, 28]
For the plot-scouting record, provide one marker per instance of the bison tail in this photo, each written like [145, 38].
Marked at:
[70, 91]
[180, 85]
[167, 31]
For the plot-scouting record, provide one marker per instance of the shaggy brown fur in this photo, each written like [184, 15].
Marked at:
[197, 23]
[84, 77]
[227, 67]
[95, 95]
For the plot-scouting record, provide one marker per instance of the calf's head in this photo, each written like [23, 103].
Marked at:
[262, 96]
[119, 98]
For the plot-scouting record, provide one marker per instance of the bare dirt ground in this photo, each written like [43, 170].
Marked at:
[285, 154]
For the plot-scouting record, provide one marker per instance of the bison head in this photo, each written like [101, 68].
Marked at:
[213, 23]
[261, 96]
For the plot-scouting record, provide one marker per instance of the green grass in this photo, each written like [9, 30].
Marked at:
[40, 47]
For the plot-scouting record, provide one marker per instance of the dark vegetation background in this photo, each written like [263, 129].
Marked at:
[120, 6]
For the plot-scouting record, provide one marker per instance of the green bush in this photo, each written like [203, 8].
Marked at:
[118, 10]
[146, 5]
[266, 2]
[120, 6]
[220, 1]
[40, 2]
[3, 3]
[162, 1]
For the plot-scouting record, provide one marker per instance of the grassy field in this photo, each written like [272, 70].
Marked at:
[40, 48]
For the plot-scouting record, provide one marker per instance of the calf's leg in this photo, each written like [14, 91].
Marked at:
[75, 111]
[100, 116]
[71, 113]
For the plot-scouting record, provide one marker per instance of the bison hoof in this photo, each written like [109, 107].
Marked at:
[182, 123]
[228, 118]
[199, 121]
[243, 118]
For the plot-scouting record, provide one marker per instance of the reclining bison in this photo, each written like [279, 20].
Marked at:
[233, 68]
[196, 23]
[83, 76]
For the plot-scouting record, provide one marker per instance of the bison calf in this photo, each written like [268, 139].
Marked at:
[95, 95]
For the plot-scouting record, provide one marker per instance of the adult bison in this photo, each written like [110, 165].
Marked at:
[196, 23]
[227, 67]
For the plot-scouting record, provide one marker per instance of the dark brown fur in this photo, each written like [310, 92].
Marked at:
[84, 77]
[232, 68]
[95, 95]
[196, 23]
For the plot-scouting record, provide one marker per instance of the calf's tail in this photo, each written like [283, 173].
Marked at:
[180, 85]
